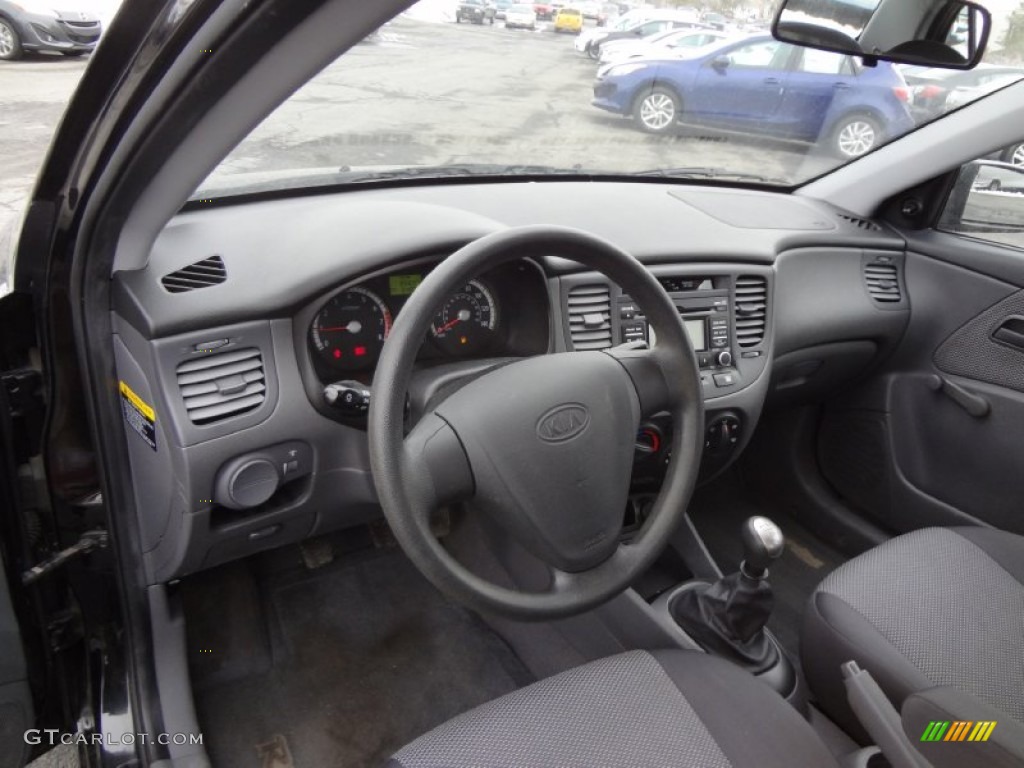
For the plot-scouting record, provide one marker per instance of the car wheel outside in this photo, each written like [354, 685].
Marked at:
[594, 52]
[10, 42]
[995, 185]
[855, 136]
[657, 110]
[1014, 154]
[458, 18]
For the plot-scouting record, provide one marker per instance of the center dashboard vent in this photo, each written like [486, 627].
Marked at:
[883, 282]
[201, 274]
[218, 386]
[590, 317]
[751, 310]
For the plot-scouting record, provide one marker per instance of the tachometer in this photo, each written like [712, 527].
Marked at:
[465, 323]
[349, 330]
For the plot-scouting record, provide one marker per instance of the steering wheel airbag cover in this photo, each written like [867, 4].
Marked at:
[544, 438]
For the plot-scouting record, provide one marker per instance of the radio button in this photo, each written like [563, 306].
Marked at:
[725, 358]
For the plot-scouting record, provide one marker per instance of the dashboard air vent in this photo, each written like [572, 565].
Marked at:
[202, 274]
[751, 309]
[883, 282]
[860, 223]
[215, 387]
[590, 317]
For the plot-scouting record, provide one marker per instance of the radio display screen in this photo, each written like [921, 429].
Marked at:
[695, 329]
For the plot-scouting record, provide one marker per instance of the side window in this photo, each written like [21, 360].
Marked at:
[652, 27]
[688, 41]
[987, 201]
[756, 56]
[818, 62]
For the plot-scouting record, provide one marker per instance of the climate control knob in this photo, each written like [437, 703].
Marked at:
[725, 358]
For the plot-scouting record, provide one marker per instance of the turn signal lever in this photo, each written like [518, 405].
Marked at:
[728, 617]
[352, 398]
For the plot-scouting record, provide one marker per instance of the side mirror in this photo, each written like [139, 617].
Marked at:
[950, 34]
[721, 63]
[988, 198]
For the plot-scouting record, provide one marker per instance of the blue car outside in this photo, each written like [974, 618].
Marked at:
[760, 85]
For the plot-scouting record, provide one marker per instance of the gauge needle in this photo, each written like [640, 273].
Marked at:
[461, 317]
[353, 327]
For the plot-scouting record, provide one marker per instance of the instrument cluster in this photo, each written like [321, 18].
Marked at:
[349, 329]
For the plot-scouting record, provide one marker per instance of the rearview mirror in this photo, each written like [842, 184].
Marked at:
[721, 63]
[951, 34]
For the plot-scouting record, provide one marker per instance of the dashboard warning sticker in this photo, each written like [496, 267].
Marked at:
[138, 414]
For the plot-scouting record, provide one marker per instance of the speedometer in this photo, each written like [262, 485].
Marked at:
[349, 330]
[465, 323]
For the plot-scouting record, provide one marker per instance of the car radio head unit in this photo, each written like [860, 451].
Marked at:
[704, 308]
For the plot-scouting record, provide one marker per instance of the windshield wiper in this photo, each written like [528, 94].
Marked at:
[349, 175]
[257, 182]
[698, 172]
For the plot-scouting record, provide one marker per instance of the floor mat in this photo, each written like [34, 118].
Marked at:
[366, 656]
[719, 510]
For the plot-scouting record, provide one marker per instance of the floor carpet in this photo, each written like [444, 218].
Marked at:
[337, 666]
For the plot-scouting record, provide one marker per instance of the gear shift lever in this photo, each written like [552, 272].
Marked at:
[762, 544]
[728, 617]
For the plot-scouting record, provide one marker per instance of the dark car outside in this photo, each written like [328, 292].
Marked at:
[475, 12]
[931, 89]
[650, 26]
[817, 96]
[33, 27]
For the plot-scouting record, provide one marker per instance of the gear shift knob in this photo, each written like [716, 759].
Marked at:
[762, 544]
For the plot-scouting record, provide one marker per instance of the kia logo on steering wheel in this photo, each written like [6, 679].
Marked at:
[562, 423]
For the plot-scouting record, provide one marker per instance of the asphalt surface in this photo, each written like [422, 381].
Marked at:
[458, 93]
[33, 95]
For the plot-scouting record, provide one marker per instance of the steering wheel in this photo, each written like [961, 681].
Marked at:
[543, 445]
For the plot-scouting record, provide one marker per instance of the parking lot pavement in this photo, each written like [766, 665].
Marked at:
[427, 93]
[33, 95]
[419, 93]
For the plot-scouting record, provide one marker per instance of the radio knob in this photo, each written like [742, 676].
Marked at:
[725, 357]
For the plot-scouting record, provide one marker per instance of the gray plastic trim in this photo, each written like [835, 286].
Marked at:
[171, 661]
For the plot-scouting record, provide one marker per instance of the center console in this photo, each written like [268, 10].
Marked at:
[726, 311]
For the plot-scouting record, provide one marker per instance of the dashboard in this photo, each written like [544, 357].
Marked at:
[243, 354]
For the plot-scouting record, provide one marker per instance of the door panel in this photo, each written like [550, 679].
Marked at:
[904, 447]
[748, 90]
[818, 78]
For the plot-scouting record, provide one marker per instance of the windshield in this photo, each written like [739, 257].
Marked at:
[459, 89]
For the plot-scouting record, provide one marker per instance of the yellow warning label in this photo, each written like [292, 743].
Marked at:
[137, 401]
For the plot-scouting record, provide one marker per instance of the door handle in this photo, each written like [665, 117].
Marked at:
[976, 405]
[841, 86]
[772, 81]
[1011, 333]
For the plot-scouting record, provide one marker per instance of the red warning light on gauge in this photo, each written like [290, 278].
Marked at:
[337, 354]
[359, 351]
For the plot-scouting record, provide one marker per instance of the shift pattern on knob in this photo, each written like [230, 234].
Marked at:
[763, 543]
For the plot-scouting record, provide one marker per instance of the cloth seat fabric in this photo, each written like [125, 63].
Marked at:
[936, 607]
[638, 709]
